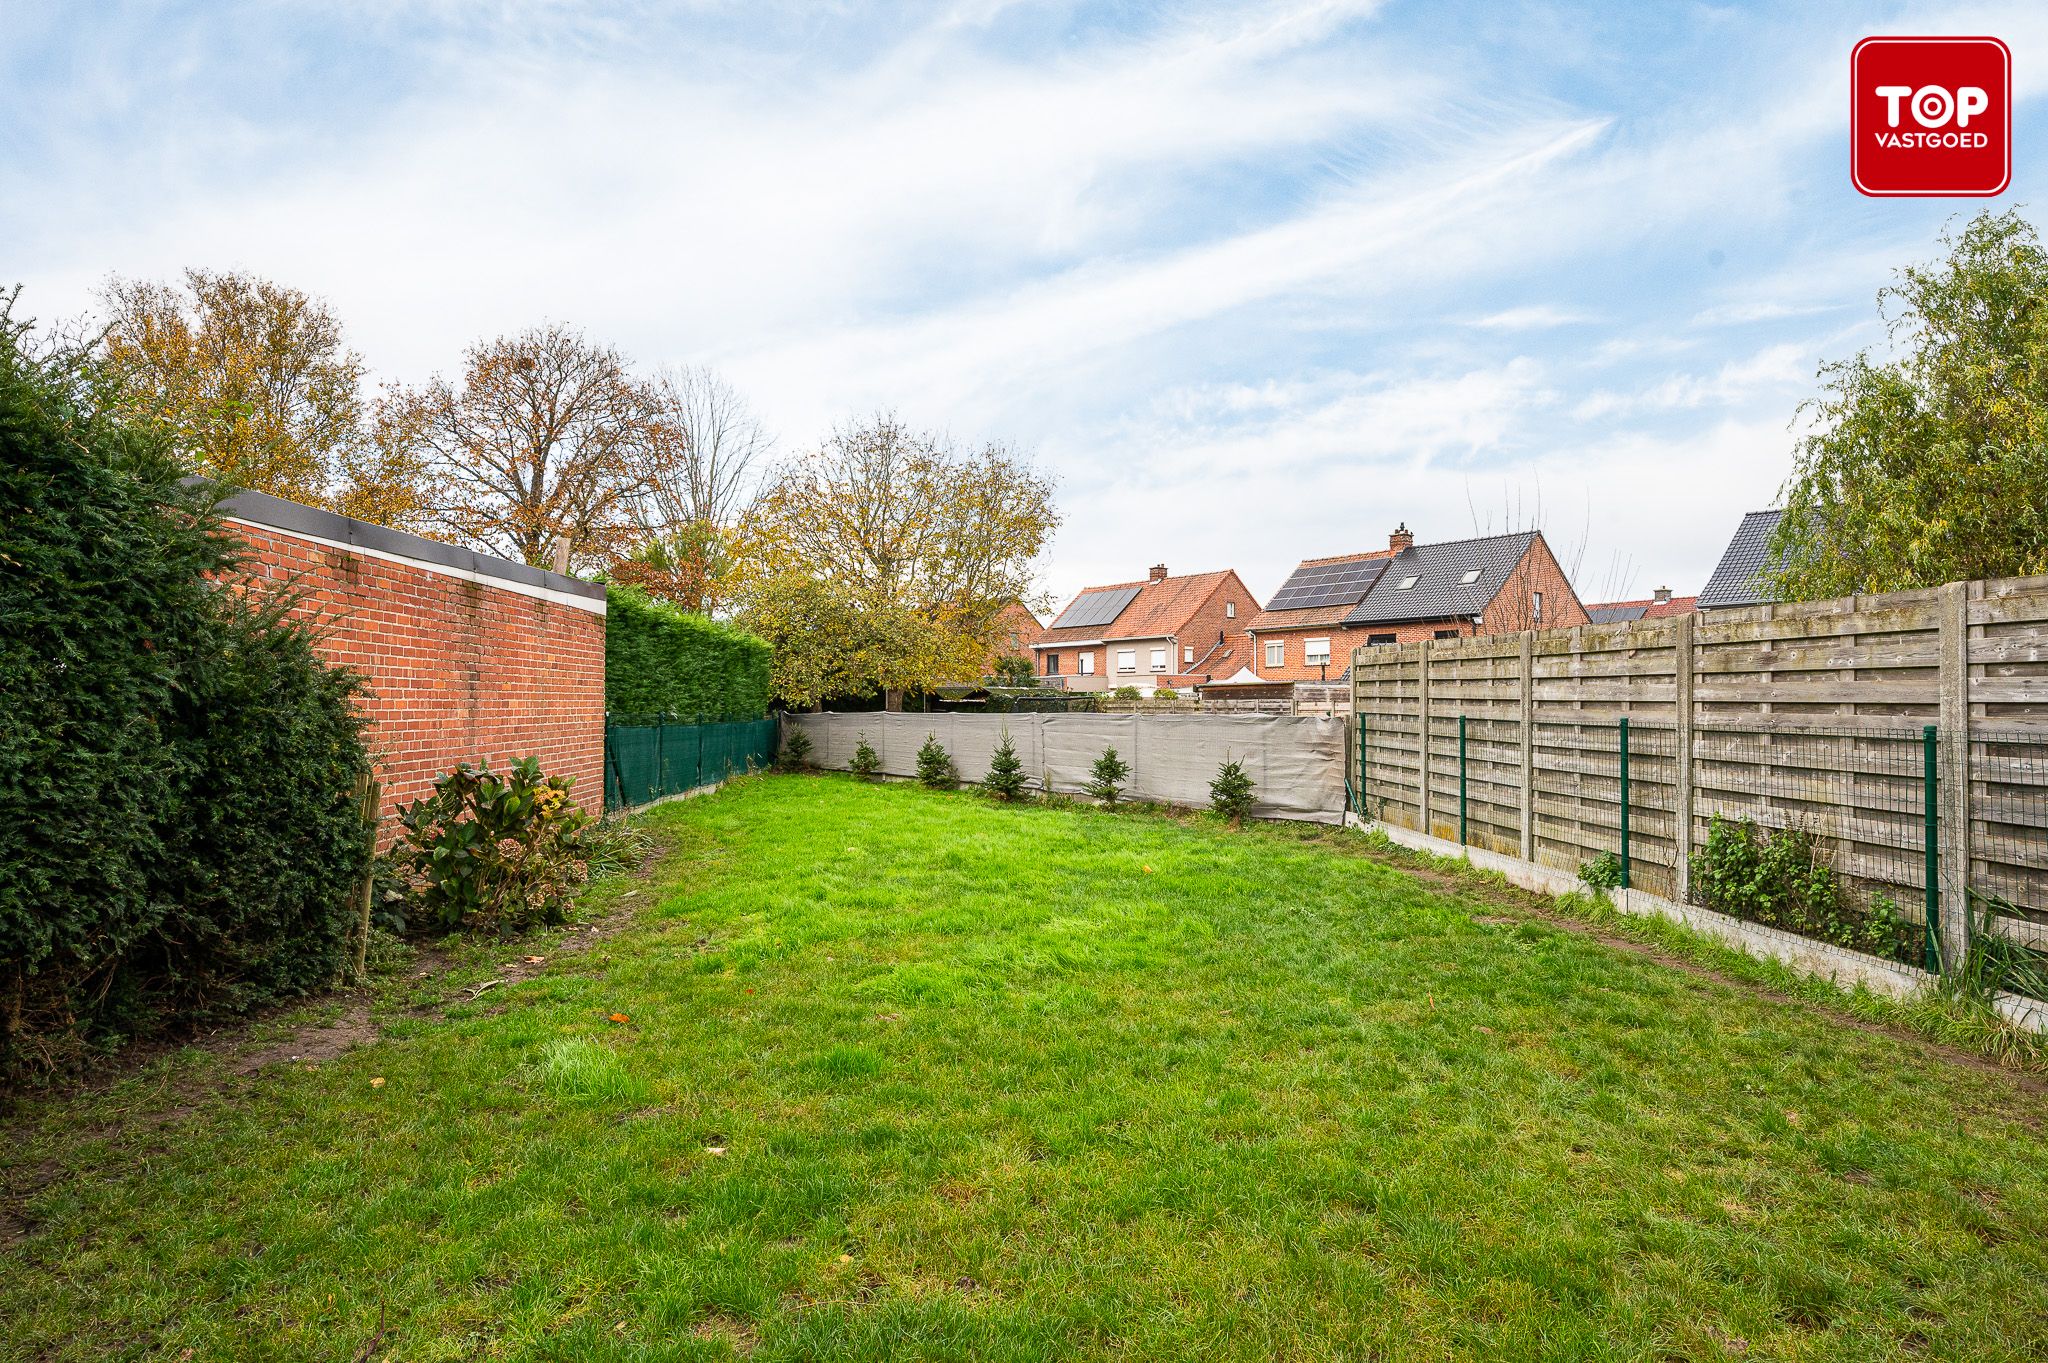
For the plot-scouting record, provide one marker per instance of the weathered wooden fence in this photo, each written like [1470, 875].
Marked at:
[1893, 727]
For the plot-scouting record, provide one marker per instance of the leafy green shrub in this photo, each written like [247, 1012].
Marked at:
[1230, 794]
[1005, 778]
[183, 839]
[660, 660]
[1602, 872]
[493, 851]
[1015, 671]
[1165, 693]
[796, 747]
[1128, 693]
[865, 760]
[1106, 778]
[935, 765]
[1782, 879]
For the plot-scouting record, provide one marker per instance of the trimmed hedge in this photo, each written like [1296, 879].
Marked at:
[178, 837]
[658, 659]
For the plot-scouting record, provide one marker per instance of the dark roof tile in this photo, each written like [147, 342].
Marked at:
[1735, 580]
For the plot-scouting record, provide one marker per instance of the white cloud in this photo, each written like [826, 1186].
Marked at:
[1538, 317]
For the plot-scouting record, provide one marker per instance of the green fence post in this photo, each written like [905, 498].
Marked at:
[660, 754]
[1461, 780]
[1361, 766]
[1624, 802]
[1929, 835]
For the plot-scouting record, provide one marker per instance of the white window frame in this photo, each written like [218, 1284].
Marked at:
[1230, 610]
[1159, 659]
[1127, 660]
[1536, 607]
[1187, 655]
[1274, 646]
[1086, 664]
[1311, 654]
[1408, 583]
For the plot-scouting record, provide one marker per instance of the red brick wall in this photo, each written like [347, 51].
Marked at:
[1537, 572]
[1210, 619]
[1342, 642]
[459, 670]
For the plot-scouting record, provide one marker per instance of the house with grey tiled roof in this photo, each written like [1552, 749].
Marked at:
[1407, 591]
[1738, 579]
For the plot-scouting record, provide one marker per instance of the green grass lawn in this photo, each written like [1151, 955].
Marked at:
[905, 1075]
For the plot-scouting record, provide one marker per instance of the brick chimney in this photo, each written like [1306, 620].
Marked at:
[1402, 538]
[1662, 594]
[1159, 572]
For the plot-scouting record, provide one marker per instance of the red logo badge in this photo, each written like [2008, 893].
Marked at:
[1930, 117]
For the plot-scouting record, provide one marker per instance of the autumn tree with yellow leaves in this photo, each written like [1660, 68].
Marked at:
[253, 379]
[884, 559]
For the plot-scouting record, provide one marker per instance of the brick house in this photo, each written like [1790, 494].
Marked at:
[1408, 591]
[1656, 606]
[1163, 631]
[1017, 630]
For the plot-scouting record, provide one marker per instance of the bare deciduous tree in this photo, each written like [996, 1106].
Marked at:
[546, 436]
[703, 456]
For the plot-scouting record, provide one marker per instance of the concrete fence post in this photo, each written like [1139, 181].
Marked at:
[1683, 793]
[1527, 700]
[1423, 718]
[1953, 788]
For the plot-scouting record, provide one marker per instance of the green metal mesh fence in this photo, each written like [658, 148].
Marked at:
[649, 757]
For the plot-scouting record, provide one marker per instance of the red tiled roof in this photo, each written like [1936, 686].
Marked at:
[1655, 609]
[1159, 610]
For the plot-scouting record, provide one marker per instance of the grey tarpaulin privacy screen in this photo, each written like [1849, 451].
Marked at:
[1296, 761]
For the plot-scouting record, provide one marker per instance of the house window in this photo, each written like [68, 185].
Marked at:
[1230, 610]
[1087, 664]
[1052, 664]
[1447, 634]
[1316, 651]
[1470, 578]
[1406, 583]
[1127, 660]
[1276, 653]
[1187, 655]
[1158, 660]
[1536, 607]
[1379, 638]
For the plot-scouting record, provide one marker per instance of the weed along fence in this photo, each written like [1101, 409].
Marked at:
[1296, 762]
[653, 757]
[1902, 738]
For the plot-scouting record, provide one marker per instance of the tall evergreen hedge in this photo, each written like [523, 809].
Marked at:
[177, 834]
[659, 659]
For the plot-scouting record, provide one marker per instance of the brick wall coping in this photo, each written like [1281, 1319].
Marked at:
[378, 541]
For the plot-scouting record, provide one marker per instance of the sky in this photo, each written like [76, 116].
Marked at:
[1255, 282]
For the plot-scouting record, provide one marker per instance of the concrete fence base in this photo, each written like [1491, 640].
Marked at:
[1824, 960]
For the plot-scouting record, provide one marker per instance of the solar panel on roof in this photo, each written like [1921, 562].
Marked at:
[1095, 608]
[1326, 584]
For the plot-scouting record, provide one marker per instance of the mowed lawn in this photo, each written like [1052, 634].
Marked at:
[908, 1075]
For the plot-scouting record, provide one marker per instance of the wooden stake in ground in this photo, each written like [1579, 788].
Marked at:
[369, 797]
